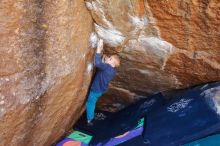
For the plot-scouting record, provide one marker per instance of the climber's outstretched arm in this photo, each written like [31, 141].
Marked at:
[98, 57]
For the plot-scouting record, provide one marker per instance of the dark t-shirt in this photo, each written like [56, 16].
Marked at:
[104, 74]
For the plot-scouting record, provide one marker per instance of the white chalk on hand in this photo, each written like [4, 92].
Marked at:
[100, 44]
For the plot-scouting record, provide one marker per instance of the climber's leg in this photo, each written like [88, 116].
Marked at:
[90, 104]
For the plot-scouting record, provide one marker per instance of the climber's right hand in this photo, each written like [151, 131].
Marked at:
[99, 46]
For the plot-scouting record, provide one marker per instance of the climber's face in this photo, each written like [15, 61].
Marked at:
[109, 60]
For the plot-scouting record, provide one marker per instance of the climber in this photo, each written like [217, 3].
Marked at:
[104, 74]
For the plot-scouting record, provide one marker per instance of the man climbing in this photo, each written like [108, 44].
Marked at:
[104, 74]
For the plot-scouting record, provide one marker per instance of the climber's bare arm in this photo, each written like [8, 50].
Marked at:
[99, 46]
[98, 58]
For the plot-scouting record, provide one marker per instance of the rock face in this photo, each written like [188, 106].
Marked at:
[164, 45]
[45, 69]
[46, 60]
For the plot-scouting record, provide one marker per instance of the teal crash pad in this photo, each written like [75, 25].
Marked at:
[79, 136]
[208, 141]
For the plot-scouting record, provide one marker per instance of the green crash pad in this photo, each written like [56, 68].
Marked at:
[140, 123]
[79, 136]
[208, 141]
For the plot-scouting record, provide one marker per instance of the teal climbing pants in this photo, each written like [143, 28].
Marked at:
[91, 103]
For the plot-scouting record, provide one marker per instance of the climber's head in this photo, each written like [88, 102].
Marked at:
[113, 60]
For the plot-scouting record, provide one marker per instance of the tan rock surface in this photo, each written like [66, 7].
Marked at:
[45, 69]
[46, 61]
[166, 44]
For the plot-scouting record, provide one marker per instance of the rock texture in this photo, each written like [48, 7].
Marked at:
[164, 45]
[45, 69]
[46, 57]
